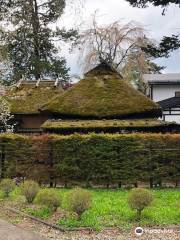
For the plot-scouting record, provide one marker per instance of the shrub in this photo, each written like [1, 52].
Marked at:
[79, 200]
[139, 199]
[49, 198]
[29, 189]
[7, 186]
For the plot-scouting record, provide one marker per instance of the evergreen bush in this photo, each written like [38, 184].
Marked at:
[29, 189]
[49, 198]
[79, 200]
[7, 186]
[139, 199]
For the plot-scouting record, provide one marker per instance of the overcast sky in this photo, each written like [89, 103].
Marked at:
[112, 10]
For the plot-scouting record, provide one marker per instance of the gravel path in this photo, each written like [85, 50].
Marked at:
[11, 232]
[114, 234]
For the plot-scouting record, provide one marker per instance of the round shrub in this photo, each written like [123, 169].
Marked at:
[7, 186]
[30, 189]
[79, 200]
[139, 199]
[49, 198]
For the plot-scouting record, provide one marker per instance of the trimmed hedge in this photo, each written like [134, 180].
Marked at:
[92, 159]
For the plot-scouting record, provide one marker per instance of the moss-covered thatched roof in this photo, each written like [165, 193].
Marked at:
[108, 126]
[28, 98]
[103, 94]
[95, 124]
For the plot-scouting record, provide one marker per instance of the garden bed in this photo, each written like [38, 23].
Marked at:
[152, 233]
[109, 210]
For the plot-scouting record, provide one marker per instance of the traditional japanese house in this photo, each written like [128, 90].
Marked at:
[165, 90]
[26, 98]
[103, 102]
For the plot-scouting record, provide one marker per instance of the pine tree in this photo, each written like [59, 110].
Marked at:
[30, 37]
[167, 44]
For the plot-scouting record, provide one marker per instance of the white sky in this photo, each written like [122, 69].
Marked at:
[112, 10]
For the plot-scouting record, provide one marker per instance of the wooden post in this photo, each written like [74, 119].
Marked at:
[51, 180]
[2, 161]
[119, 184]
[151, 182]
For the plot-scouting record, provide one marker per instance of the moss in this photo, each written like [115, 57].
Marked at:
[12, 136]
[102, 94]
[95, 124]
[143, 137]
[28, 99]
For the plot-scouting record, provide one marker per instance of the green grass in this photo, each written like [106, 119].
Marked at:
[42, 213]
[110, 209]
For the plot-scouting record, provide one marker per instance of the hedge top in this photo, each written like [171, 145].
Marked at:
[103, 94]
[28, 97]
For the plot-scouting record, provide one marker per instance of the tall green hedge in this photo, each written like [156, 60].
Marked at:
[98, 159]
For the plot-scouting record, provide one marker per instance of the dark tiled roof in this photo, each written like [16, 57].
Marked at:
[173, 102]
[168, 78]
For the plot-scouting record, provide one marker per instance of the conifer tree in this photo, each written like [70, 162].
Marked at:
[30, 37]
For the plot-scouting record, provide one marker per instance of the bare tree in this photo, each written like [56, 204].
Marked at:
[122, 46]
[139, 62]
[111, 43]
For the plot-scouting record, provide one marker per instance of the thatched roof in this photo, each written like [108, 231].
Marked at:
[28, 97]
[103, 94]
[108, 126]
[101, 124]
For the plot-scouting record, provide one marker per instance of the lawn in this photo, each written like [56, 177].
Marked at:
[110, 209]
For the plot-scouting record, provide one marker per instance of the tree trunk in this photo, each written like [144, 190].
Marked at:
[35, 28]
[139, 214]
[160, 183]
[176, 184]
[51, 182]
[65, 184]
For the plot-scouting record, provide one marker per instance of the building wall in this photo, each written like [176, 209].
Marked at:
[31, 121]
[161, 92]
[172, 118]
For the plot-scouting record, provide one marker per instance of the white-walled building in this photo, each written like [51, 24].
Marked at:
[165, 90]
